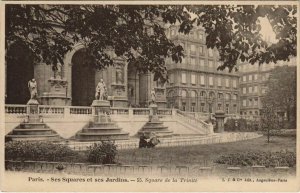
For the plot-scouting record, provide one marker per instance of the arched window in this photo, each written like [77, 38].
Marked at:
[183, 93]
[203, 94]
[211, 95]
[193, 94]
[227, 96]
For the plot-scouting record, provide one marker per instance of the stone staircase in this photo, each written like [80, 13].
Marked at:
[102, 129]
[197, 125]
[32, 129]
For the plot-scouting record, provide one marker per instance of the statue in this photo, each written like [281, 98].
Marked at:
[32, 86]
[153, 96]
[58, 71]
[101, 91]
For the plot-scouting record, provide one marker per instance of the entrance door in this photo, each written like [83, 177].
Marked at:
[83, 79]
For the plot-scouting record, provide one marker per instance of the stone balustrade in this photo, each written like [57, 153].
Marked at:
[196, 122]
[16, 109]
[80, 110]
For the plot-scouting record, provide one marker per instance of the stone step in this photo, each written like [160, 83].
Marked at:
[51, 137]
[101, 130]
[101, 137]
[40, 131]
[32, 125]
[152, 127]
[99, 134]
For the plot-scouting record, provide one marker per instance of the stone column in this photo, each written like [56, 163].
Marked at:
[220, 116]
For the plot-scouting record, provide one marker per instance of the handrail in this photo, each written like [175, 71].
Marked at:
[199, 124]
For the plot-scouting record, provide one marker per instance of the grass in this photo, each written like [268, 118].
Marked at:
[198, 154]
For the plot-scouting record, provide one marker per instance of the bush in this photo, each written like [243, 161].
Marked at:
[102, 153]
[241, 125]
[37, 151]
[282, 132]
[268, 159]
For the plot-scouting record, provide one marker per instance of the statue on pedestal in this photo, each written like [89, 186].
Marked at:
[153, 96]
[58, 71]
[101, 91]
[32, 86]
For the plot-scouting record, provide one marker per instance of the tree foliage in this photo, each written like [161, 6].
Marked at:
[137, 32]
[281, 92]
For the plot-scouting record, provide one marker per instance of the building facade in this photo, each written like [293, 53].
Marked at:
[76, 83]
[253, 85]
[195, 84]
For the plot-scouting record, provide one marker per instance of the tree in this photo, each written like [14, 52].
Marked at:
[282, 93]
[269, 119]
[137, 32]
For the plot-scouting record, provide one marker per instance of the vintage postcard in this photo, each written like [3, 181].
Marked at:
[126, 96]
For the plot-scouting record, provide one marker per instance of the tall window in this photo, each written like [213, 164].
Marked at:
[250, 77]
[227, 96]
[210, 63]
[202, 107]
[244, 90]
[250, 89]
[244, 103]
[202, 64]
[210, 53]
[193, 79]
[171, 78]
[202, 94]
[255, 77]
[219, 81]
[193, 107]
[227, 82]
[193, 49]
[210, 81]
[220, 95]
[256, 102]
[255, 89]
[183, 77]
[234, 108]
[193, 61]
[234, 97]
[202, 80]
[250, 102]
[193, 94]
[201, 50]
[244, 78]
[234, 82]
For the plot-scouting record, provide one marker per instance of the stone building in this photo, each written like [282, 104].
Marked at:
[75, 83]
[195, 83]
[253, 85]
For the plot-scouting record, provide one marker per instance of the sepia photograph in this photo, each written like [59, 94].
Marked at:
[141, 96]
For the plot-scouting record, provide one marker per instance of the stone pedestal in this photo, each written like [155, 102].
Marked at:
[57, 94]
[33, 128]
[101, 128]
[154, 125]
[220, 116]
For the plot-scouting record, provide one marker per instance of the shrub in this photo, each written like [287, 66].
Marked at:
[103, 152]
[241, 125]
[268, 159]
[37, 151]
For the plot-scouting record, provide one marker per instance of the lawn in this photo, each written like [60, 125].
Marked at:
[202, 154]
